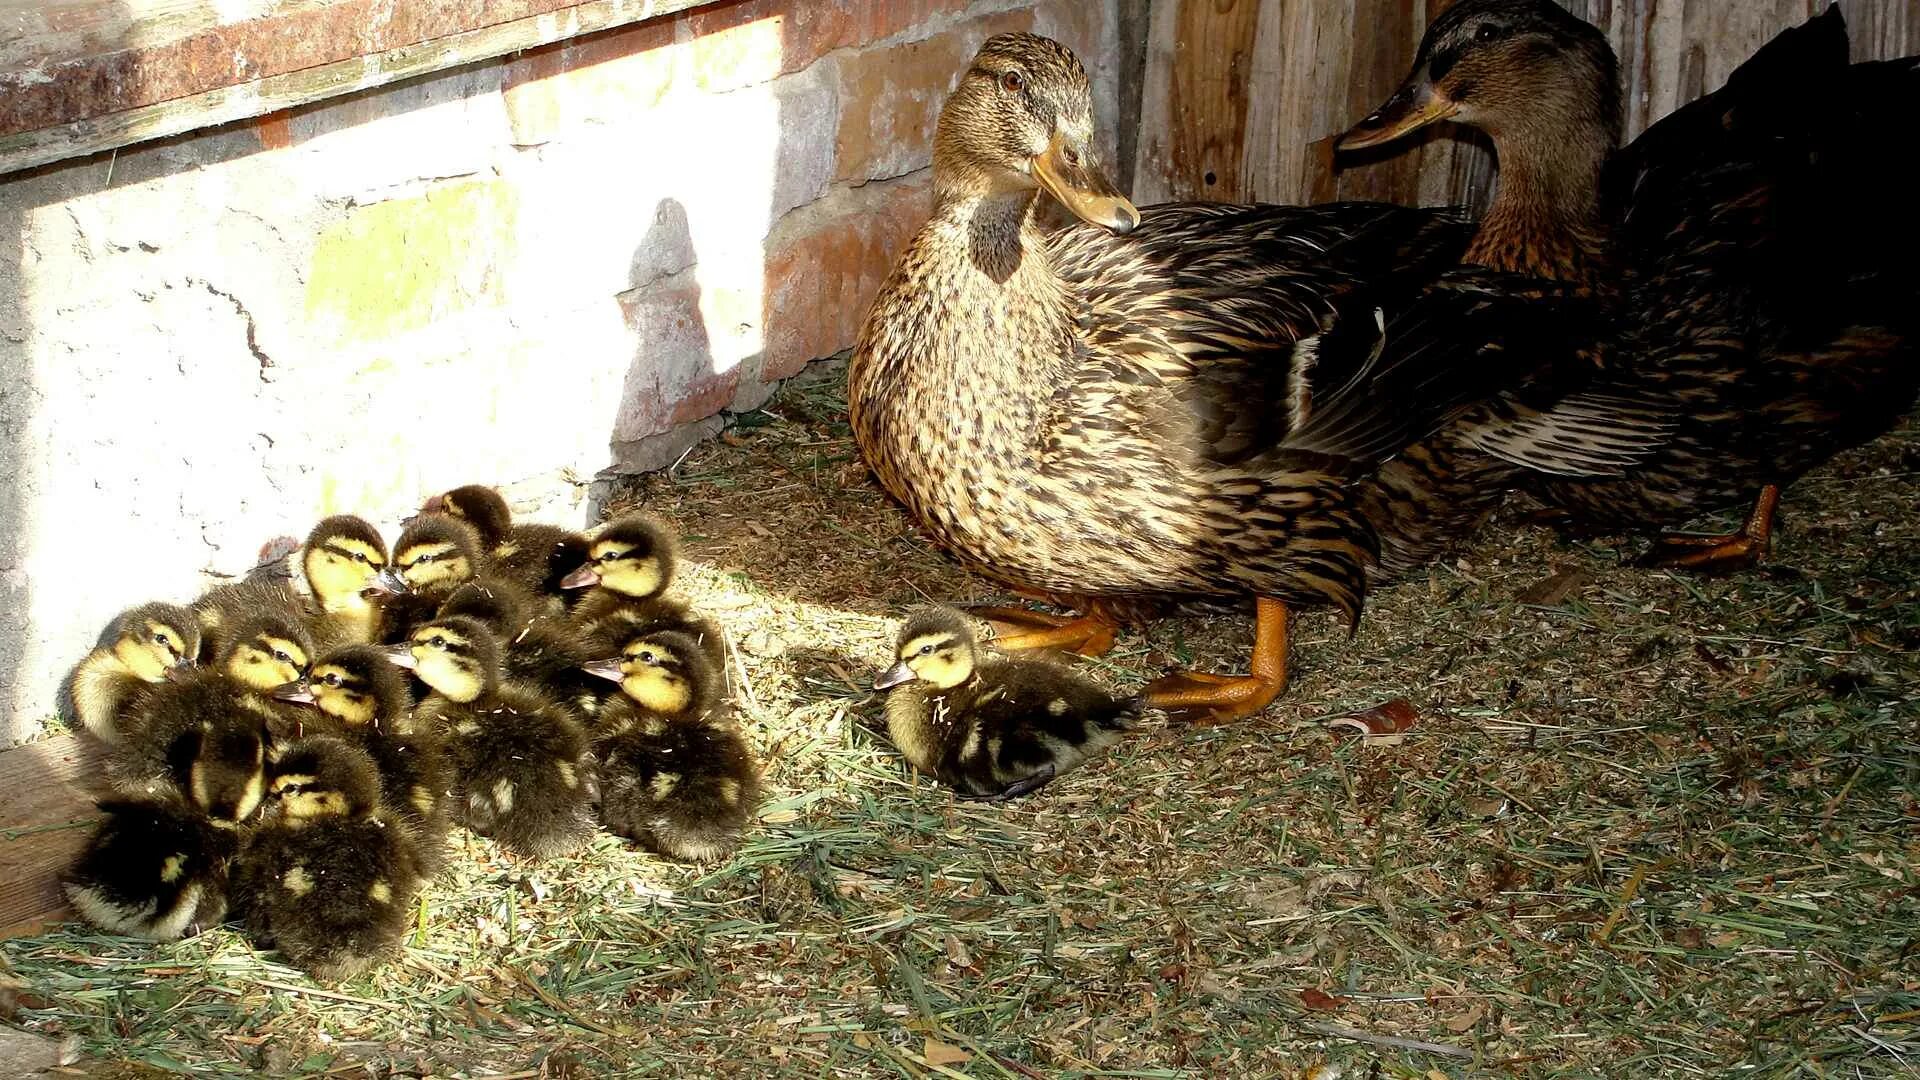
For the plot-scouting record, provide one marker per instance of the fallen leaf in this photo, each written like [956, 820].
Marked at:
[1466, 1020]
[939, 1053]
[1436, 1074]
[1321, 1001]
[957, 953]
[1554, 590]
[1382, 725]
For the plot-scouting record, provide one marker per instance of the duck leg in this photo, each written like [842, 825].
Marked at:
[1016, 628]
[1205, 700]
[1722, 554]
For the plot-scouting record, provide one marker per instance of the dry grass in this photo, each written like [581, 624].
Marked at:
[1647, 826]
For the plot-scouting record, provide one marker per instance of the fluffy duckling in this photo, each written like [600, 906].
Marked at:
[345, 564]
[204, 737]
[362, 697]
[629, 567]
[154, 868]
[535, 557]
[989, 725]
[517, 756]
[539, 650]
[675, 774]
[329, 877]
[139, 648]
[436, 555]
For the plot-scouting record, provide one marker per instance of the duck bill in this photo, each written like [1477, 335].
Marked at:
[897, 675]
[605, 669]
[1066, 170]
[387, 583]
[1412, 107]
[401, 655]
[179, 670]
[585, 577]
[297, 692]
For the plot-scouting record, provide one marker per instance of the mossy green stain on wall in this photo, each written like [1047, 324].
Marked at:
[396, 266]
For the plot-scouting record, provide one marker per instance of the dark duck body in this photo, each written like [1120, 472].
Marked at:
[1187, 401]
[1756, 247]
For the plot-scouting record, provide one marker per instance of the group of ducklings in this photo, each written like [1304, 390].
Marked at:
[295, 757]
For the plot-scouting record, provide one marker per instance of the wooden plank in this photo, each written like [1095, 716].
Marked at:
[43, 146]
[1199, 66]
[46, 810]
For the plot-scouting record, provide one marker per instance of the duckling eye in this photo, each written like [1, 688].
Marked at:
[926, 650]
[438, 642]
[331, 680]
[1013, 82]
[647, 657]
[160, 639]
[281, 655]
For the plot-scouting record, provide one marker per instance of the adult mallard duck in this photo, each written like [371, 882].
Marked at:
[1758, 245]
[1186, 401]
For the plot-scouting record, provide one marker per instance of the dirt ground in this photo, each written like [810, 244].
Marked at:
[1644, 825]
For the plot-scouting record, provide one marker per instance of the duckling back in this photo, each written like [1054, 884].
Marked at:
[154, 868]
[201, 740]
[683, 787]
[519, 770]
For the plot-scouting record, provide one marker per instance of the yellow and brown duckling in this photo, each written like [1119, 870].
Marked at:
[516, 755]
[361, 696]
[344, 562]
[154, 868]
[534, 556]
[1183, 402]
[204, 737]
[139, 648]
[1756, 246]
[435, 555]
[328, 878]
[675, 773]
[992, 726]
[627, 574]
[539, 650]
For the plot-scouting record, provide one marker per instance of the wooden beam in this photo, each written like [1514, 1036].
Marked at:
[79, 138]
[46, 815]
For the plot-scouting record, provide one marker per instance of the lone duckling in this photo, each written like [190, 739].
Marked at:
[154, 868]
[629, 567]
[139, 648]
[345, 563]
[517, 756]
[676, 775]
[533, 556]
[204, 737]
[361, 696]
[328, 878]
[988, 725]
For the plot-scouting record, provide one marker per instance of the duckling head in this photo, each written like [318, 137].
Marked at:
[324, 776]
[1021, 119]
[936, 646]
[356, 685]
[344, 559]
[634, 556]
[497, 609]
[479, 506]
[664, 672]
[154, 641]
[1502, 66]
[267, 651]
[226, 770]
[457, 656]
[437, 552]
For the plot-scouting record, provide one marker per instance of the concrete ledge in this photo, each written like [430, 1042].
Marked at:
[83, 77]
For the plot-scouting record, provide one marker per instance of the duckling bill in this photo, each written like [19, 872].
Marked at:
[992, 726]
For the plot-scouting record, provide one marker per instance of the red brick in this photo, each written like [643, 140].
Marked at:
[820, 282]
[810, 29]
[603, 76]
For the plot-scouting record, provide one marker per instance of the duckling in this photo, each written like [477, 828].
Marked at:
[329, 877]
[533, 556]
[629, 567]
[542, 651]
[154, 868]
[675, 774]
[204, 738]
[362, 697]
[140, 647]
[988, 725]
[517, 756]
[345, 564]
[436, 555]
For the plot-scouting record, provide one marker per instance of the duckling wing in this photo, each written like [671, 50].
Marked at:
[1337, 332]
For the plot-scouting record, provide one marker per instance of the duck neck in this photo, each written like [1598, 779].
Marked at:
[1546, 217]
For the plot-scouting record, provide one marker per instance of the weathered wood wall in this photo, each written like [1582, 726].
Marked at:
[1243, 97]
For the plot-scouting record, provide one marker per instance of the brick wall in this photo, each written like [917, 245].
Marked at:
[535, 271]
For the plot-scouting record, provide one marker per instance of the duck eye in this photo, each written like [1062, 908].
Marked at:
[281, 655]
[160, 639]
[926, 650]
[1486, 32]
[331, 680]
[1013, 82]
[438, 642]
